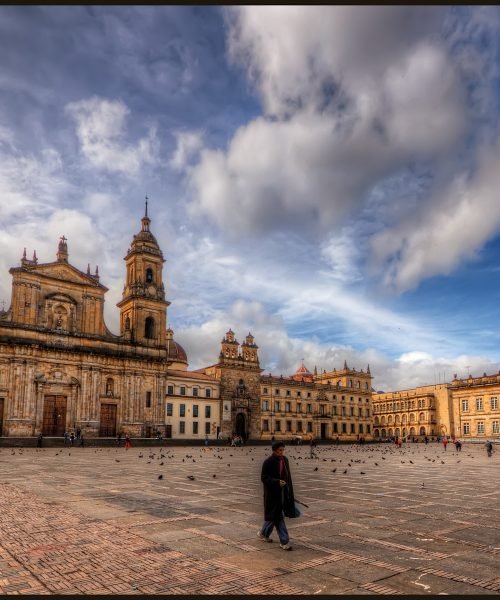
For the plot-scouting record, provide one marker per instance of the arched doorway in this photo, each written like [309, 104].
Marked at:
[240, 426]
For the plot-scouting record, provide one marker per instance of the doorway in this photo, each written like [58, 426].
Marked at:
[107, 423]
[168, 432]
[54, 416]
[241, 426]
[1, 415]
[323, 431]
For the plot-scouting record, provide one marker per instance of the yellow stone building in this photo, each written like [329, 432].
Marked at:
[326, 406]
[476, 407]
[418, 412]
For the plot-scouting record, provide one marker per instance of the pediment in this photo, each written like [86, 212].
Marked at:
[66, 272]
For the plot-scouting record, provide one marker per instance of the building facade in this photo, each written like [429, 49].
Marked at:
[476, 407]
[413, 413]
[326, 406]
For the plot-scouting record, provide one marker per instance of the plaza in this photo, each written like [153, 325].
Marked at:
[418, 520]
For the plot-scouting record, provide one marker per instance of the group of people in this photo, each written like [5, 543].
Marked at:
[71, 438]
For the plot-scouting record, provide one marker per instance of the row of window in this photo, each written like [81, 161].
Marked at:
[182, 410]
[404, 405]
[495, 427]
[479, 404]
[195, 391]
[323, 409]
[403, 419]
[309, 427]
[195, 428]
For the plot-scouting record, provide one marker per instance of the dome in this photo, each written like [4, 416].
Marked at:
[302, 370]
[176, 355]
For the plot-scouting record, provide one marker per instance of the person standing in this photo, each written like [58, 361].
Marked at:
[445, 442]
[127, 443]
[489, 448]
[39, 440]
[279, 499]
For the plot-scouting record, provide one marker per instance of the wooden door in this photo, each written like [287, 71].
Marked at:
[1, 415]
[168, 431]
[323, 431]
[107, 424]
[54, 415]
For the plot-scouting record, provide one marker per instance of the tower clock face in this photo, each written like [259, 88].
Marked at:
[151, 289]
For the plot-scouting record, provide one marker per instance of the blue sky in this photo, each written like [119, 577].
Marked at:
[325, 177]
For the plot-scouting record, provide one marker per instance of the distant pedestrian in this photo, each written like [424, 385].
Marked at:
[72, 439]
[445, 442]
[78, 433]
[489, 448]
[458, 445]
[82, 443]
[206, 440]
[279, 499]
[39, 440]
[426, 440]
[119, 439]
[127, 443]
[66, 438]
[312, 444]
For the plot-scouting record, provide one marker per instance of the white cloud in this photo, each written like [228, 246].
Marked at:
[188, 145]
[101, 131]
[451, 227]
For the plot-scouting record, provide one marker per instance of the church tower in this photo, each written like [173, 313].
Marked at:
[143, 308]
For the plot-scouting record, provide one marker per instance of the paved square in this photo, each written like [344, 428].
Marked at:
[380, 521]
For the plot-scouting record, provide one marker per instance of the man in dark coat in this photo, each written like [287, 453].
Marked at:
[279, 500]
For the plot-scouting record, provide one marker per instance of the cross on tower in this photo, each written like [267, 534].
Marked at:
[146, 198]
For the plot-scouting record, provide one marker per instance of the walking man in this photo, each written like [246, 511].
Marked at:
[489, 448]
[279, 500]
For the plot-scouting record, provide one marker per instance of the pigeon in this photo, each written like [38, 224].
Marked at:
[362, 473]
[191, 477]
[345, 471]
[214, 476]
[333, 470]
[376, 464]
[316, 469]
[411, 461]
[116, 460]
[160, 476]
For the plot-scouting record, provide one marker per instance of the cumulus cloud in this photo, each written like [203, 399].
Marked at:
[100, 126]
[450, 227]
[338, 118]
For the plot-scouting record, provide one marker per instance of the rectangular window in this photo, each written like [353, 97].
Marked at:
[182, 410]
[352, 428]
[207, 427]
[182, 427]
[195, 391]
[170, 409]
[170, 390]
[334, 410]
[265, 425]
[207, 412]
[495, 427]
[278, 426]
[335, 428]
[480, 427]
[183, 390]
[344, 427]
[299, 394]
[322, 410]
[288, 392]
[264, 391]
[466, 428]
[195, 427]
[465, 406]
[287, 406]
[148, 399]
[276, 406]
[299, 425]
[195, 410]
[360, 412]
[308, 394]
[208, 393]
[309, 426]
[289, 426]
[352, 411]
[299, 407]
[343, 411]
[309, 408]
[479, 404]
[277, 392]
[367, 412]
[367, 429]
[494, 402]
[265, 405]
[361, 429]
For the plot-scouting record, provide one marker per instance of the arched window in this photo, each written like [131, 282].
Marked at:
[404, 419]
[149, 328]
[389, 420]
[376, 422]
[384, 433]
[421, 417]
[396, 420]
[382, 422]
[376, 433]
[149, 275]
[397, 432]
[422, 431]
[412, 418]
[412, 431]
[127, 323]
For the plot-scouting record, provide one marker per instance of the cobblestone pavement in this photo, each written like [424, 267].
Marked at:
[380, 521]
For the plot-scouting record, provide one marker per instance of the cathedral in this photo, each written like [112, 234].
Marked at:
[63, 370]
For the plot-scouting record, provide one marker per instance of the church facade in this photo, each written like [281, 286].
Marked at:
[62, 369]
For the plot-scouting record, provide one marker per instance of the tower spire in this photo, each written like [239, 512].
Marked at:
[145, 219]
[146, 211]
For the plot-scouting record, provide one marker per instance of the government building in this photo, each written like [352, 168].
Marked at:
[62, 369]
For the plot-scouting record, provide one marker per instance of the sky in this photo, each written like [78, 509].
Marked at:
[324, 177]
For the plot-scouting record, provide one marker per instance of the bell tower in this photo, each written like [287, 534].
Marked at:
[143, 308]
